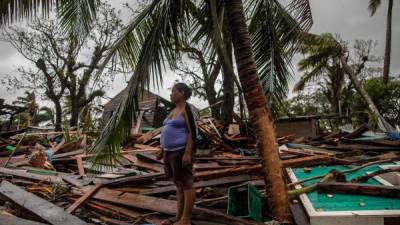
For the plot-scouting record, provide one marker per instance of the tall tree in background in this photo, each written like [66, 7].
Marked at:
[332, 48]
[373, 6]
[321, 63]
[201, 73]
[63, 66]
[149, 41]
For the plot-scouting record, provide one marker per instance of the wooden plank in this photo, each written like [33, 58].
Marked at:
[8, 134]
[40, 207]
[307, 161]
[83, 198]
[208, 183]
[139, 163]
[72, 180]
[225, 158]
[135, 179]
[209, 166]
[13, 220]
[73, 153]
[148, 136]
[205, 175]
[346, 147]
[138, 122]
[357, 132]
[31, 176]
[354, 188]
[299, 214]
[163, 206]
[124, 212]
[79, 162]
[149, 157]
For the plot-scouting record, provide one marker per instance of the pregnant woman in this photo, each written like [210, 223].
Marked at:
[178, 143]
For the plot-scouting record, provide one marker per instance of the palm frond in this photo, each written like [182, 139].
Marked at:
[373, 6]
[317, 71]
[17, 10]
[76, 16]
[146, 48]
[276, 32]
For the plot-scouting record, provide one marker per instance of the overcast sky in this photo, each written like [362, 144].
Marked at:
[349, 18]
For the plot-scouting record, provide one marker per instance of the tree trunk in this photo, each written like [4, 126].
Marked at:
[58, 121]
[383, 124]
[74, 111]
[277, 198]
[228, 85]
[211, 98]
[388, 46]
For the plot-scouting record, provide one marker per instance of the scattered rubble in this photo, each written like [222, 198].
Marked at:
[54, 180]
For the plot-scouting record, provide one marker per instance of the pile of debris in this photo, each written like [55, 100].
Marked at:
[51, 176]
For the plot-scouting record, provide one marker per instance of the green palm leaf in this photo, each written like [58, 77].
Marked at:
[373, 6]
[16, 10]
[76, 16]
[276, 33]
[145, 46]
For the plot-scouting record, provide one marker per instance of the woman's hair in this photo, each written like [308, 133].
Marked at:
[182, 87]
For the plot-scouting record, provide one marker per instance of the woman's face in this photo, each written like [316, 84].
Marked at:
[176, 95]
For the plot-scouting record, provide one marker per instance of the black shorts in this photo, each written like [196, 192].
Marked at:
[174, 168]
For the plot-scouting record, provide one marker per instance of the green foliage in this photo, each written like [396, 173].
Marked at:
[385, 97]
[314, 103]
[149, 42]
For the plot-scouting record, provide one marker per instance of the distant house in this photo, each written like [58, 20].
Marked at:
[155, 108]
[302, 126]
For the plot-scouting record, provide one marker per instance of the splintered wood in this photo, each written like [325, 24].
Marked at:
[132, 189]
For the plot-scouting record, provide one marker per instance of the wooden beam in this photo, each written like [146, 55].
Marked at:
[163, 206]
[208, 183]
[355, 188]
[139, 163]
[134, 179]
[73, 153]
[138, 122]
[83, 198]
[307, 161]
[79, 162]
[31, 176]
[206, 175]
[13, 220]
[40, 207]
[357, 132]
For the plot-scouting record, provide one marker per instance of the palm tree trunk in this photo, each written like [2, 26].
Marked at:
[260, 115]
[383, 124]
[228, 84]
[388, 46]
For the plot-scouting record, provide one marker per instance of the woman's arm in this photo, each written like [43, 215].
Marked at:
[187, 156]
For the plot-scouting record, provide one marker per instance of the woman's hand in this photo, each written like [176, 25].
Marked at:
[187, 159]
[160, 155]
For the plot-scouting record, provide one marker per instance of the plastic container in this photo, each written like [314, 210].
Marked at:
[9, 148]
[245, 202]
[147, 129]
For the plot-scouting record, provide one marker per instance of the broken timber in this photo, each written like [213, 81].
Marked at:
[40, 207]
[355, 188]
[163, 206]
[83, 198]
[209, 183]
[13, 220]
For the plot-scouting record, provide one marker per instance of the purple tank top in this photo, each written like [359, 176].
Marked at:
[174, 134]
